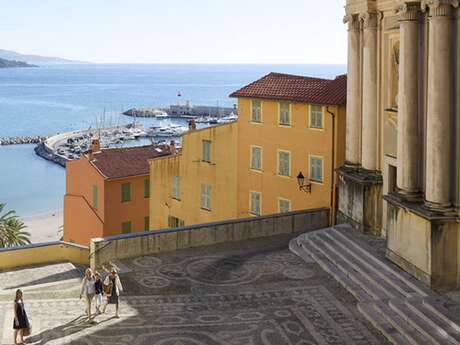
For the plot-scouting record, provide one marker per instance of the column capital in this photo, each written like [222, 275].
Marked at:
[439, 8]
[408, 10]
[371, 19]
[353, 22]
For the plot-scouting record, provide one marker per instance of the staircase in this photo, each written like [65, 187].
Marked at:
[404, 310]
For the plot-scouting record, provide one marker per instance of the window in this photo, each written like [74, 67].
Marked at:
[125, 192]
[147, 188]
[256, 158]
[255, 203]
[284, 163]
[206, 196]
[285, 114]
[284, 205]
[174, 222]
[176, 187]
[126, 227]
[95, 196]
[316, 116]
[206, 150]
[146, 223]
[316, 169]
[256, 111]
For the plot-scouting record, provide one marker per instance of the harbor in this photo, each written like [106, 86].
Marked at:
[25, 139]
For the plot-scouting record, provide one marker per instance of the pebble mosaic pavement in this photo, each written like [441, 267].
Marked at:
[248, 293]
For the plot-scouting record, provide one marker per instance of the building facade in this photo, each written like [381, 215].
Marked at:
[402, 172]
[287, 125]
[107, 192]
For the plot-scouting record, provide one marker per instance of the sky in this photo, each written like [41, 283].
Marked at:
[177, 31]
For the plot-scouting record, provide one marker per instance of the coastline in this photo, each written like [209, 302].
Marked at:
[44, 227]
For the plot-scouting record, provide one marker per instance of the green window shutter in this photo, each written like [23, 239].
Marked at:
[147, 188]
[256, 113]
[256, 158]
[95, 196]
[206, 146]
[255, 203]
[146, 223]
[126, 227]
[284, 163]
[125, 192]
[284, 116]
[176, 187]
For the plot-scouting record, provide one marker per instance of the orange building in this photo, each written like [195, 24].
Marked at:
[107, 192]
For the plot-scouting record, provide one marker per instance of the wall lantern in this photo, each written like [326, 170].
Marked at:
[306, 187]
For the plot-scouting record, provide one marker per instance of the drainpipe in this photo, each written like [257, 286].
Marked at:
[332, 166]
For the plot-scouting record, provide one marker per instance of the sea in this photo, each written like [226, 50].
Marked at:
[53, 99]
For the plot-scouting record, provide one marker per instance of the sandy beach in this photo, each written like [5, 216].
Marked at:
[44, 227]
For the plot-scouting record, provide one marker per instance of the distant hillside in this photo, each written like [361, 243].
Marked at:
[13, 63]
[35, 59]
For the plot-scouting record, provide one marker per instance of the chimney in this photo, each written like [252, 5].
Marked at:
[191, 125]
[172, 147]
[95, 145]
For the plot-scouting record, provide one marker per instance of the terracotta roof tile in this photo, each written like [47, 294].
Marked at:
[297, 89]
[128, 161]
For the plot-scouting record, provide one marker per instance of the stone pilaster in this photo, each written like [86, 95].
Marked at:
[353, 120]
[408, 149]
[439, 105]
[369, 100]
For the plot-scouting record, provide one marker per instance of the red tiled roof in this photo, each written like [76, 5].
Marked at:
[297, 89]
[128, 161]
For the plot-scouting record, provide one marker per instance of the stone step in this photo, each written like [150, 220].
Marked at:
[391, 289]
[327, 266]
[374, 314]
[424, 325]
[372, 288]
[431, 314]
[381, 267]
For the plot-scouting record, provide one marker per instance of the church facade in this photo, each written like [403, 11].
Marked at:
[401, 179]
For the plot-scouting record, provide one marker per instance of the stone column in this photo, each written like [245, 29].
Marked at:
[408, 151]
[369, 126]
[439, 105]
[353, 118]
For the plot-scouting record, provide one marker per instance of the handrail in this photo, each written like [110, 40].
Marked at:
[87, 203]
[44, 244]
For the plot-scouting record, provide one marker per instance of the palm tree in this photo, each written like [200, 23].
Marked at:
[11, 229]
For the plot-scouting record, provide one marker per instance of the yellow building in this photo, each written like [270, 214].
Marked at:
[198, 184]
[287, 125]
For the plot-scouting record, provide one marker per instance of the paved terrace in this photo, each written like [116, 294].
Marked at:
[243, 293]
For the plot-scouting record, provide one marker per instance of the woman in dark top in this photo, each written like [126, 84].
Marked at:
[20, 322]
[112, 281]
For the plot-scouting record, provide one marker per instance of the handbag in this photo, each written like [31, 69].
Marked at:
[27, 331]
[107, 289]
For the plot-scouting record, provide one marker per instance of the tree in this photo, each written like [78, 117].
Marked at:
[11, 229]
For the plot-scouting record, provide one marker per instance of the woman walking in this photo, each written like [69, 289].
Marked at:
[114, 288]
[21, 323]
[88, 289]
[99, 289]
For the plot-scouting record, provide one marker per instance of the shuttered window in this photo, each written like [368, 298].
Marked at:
[316, 168]
[125, 192]
[255, 200]
[126, 227]
[316, 116]
[256, 111]
[256, 158]
[206, 146]
[284, 114]
[284, 163]
[147, 188]
[176, 187]
[206, 196]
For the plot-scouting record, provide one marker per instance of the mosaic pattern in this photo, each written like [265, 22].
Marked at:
[233, 296]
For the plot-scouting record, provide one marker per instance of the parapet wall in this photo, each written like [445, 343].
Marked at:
[43, 253]
[110, 248]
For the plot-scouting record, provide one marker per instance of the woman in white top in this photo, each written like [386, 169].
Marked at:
[112, 281]
[88, 290]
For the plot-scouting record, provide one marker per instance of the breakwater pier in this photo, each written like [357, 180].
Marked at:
[27, 139]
